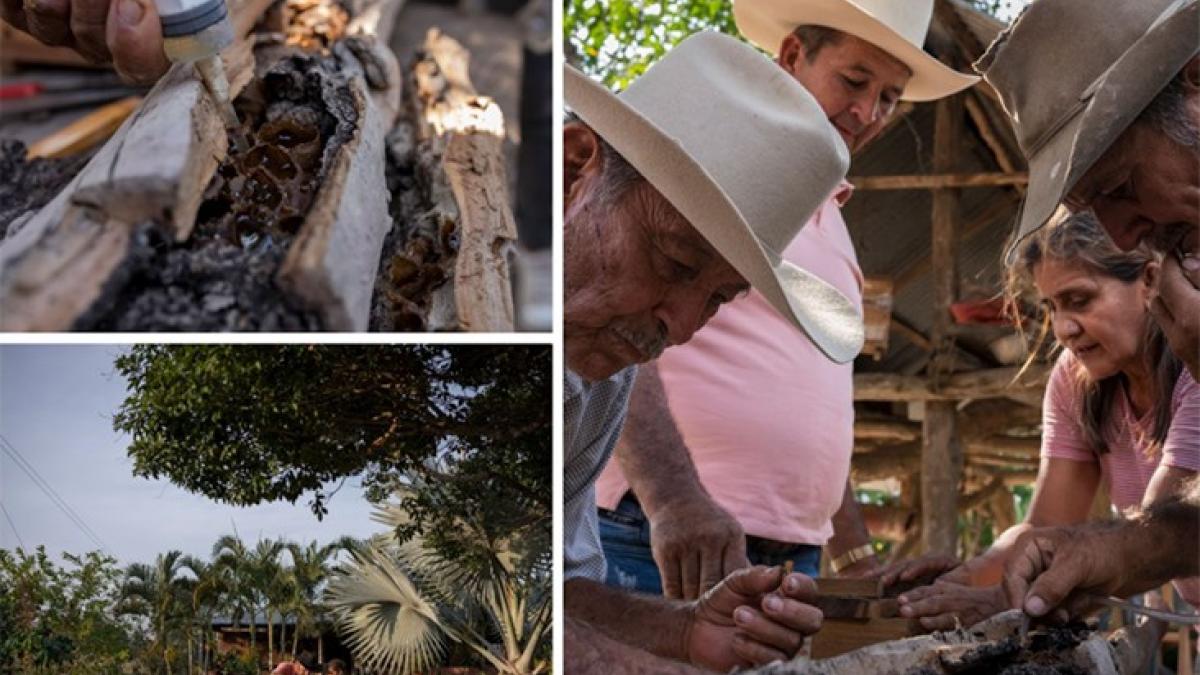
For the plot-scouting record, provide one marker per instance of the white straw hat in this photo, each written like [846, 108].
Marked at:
[898, 27]
[746, 155]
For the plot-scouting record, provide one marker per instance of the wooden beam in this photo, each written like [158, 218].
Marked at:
[937, 181]
[988, 383]
[997, 146]
[941, 454]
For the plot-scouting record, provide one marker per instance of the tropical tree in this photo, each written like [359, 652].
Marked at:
[269, 585]
[310, 569]
[208, 597]
[161, 593]
[401, 599]
[232, 564]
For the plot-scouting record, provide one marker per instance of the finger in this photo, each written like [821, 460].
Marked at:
[735, 557]
[88, 19]
[794, 614]
[943, 622]
[800, 587]
[13, 13]
[691, 575]
[711, 573]
[743, 587]
[668, 567]
[135, 41]
[755, 653]
[1050, 588]
[760, 628]
[931, 606]
[48, 21]
[918, 594]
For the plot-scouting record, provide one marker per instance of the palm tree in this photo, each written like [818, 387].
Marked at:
[398, 602]
[208, 594]
[269, 586]
[311, 565]
[158, 592]
[231, 561]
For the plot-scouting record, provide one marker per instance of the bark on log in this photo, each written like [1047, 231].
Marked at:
[465, 219]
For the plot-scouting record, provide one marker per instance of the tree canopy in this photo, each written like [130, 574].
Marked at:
[247, 424]
[617, 40]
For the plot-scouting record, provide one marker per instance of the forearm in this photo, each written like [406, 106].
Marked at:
[1143, 542]
[651, 451]
[850, 532]
[590, 651]
[649, 623]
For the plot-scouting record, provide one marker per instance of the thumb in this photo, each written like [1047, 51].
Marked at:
[1050, 589]
[134, 37]
[744, 587]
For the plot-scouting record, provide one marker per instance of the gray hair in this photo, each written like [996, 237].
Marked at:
[1168, 113]
[617, 175]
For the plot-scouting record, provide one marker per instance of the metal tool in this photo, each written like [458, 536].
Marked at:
[195, 31]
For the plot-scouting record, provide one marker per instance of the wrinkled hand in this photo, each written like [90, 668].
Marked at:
[125, 33]
[924, 570]
[695, 544]
[749, 619]
[1176, 308]
[1057, 571]
[946, 606]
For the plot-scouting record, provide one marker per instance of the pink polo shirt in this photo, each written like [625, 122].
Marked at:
[1127, 466]
[769, 419]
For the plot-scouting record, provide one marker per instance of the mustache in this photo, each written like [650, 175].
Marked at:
[650, 342]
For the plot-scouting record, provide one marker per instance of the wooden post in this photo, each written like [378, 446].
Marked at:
[941, 454]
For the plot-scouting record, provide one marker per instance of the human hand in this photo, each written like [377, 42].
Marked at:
[695, 544]
[923, 570]
[1057, 571]
[946, 606]
[126, 33]
[750, 619]
[1176, 307]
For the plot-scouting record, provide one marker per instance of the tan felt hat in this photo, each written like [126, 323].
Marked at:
[898, 27]
[1074, 74]
[746, 155]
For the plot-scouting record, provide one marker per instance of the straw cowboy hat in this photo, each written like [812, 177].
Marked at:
[1118, 54]
[898, 27]
[746, 156]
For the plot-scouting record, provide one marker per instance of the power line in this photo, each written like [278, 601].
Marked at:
[13, 526]
[50, 492]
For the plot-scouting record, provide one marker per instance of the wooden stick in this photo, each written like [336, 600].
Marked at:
[938, 181]
[85, 132]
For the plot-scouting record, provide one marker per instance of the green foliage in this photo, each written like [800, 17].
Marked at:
[246, 424]
[60, 618]
[619, 39]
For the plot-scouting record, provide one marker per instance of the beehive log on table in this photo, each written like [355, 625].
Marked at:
[992, 647]
[445, 267]
[117, 248]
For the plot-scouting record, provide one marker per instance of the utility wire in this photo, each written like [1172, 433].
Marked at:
[13, 526]
[50, 492]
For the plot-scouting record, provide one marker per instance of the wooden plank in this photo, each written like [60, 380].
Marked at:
[850, 588]
[839, 636]
[85, 132]
[937, 181]
[976, 384]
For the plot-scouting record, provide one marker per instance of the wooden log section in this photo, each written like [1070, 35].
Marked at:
[465, 217]
[938, 181]
[155, 167]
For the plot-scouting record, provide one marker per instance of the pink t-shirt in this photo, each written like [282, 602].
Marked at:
[769, 419]
[1126, 468]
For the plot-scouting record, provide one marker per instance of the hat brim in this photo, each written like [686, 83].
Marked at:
[1120, 95]
[826, 316]
[766, 23]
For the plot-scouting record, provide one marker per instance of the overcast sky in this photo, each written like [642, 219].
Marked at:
[56, 408]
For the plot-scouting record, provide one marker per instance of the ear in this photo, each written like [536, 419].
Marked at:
[790, 53]
[1150, 275]
[1191, 73]
[581, 156]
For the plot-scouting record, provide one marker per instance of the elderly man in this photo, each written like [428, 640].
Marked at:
[763, 488]
[1116, 132]
[678, 196]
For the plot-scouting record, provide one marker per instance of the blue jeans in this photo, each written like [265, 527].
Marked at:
[625, 536]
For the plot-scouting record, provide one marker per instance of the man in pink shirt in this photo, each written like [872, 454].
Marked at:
[737, 445]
